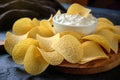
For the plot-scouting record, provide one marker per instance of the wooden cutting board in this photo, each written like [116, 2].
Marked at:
[92, 67]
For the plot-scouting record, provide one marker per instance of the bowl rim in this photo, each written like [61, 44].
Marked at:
[55, 22]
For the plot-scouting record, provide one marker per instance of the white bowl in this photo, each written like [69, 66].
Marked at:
[86, 29]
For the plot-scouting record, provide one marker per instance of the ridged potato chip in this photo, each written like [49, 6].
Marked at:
[46, 28]
[22, 26]
[33, 62]
[92, 51]
[117, 36]
[102, 19]
[20, 49]
[12, 40]
[78, 9]
[70, 48]
[46, 42]
[34, 31]
[116, 30]
[53, 58]
[104, 23]
[118, 26]
[110, 37]
[51, 19]
[75, 34]
[35, 22]
[58, 12]
[99, 39]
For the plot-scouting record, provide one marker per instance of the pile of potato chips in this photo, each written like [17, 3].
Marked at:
[35, 44]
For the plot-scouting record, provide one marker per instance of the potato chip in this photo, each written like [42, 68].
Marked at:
[46, 42]
[58, 12]
[20, 49]
[70, 48]
[110, 37]
[78, 9]
[33, 62]
[105, 20]
[34, 31]
[51, 19]
[118, 26]
[53, 58]
[92, 51]
[75, 34]
[46, 28]
[99, 39]
[116, 30]
[12, 40]
[35, 22]
[22, 26]
[117, 36]
[104, 25]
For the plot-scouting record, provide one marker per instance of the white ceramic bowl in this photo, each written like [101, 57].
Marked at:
[86, 29]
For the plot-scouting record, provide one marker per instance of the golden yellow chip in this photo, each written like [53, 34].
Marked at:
[116, 30]
[78, 9]
[51, 19]
[105, 20]
[104, 25]
[70, 48]
[34, 31]
[117, 36]
[46, 28]
[33, 62]
[75, 34]
[53, 58]
[12, 40]
[35, 22]
[22, 26]
[46, 42]
[92, 51]
[99, 39]
[58, 12]
[20, 49]
[110, 37]
[118, 26]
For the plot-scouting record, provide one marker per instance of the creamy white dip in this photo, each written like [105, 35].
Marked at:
[74, 20]
[77, 23]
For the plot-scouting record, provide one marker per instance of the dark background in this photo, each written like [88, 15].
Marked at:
[108, 4]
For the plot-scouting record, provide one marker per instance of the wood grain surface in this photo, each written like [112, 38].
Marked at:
[96, 66]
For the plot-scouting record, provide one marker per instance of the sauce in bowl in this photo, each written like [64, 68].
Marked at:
[86, 25]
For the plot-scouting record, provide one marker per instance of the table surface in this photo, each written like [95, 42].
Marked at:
[11, 71]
